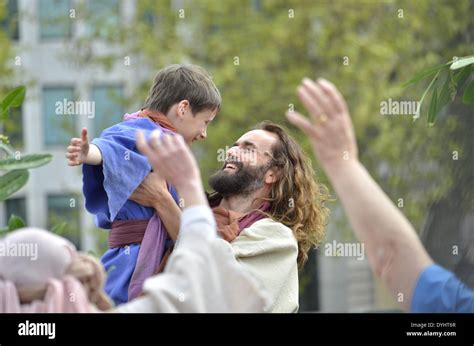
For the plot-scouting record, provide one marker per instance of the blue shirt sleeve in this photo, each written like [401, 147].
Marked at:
[439, 290]
[108, 186]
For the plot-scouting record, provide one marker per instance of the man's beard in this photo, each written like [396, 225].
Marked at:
[244, 181]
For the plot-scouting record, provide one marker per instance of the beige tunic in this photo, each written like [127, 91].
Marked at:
[269, 250]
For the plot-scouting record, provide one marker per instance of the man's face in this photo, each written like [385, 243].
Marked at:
[247, 163]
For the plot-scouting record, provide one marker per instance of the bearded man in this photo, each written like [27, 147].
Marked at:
[268, 208]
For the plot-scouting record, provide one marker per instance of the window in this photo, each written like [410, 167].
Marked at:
[16, 206]
[108, 106]
[103, 17]
[54, 19]
[59, 125]
[65, 209]
[9, 22]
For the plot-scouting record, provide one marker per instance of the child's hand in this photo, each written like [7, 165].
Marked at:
[78, 150]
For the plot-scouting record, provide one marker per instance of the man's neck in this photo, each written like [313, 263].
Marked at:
[242, 203]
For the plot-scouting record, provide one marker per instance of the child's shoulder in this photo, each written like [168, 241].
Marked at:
[143, 124]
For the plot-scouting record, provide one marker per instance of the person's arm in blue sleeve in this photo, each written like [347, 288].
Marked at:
[394, 250]
[439, 290]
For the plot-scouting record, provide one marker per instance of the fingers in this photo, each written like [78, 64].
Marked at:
[318, 96]
[160, 144]
[73, 152]
[309, 103]
[302, 123]
[142, 145]
[73, 159]
[335, 98]
[84, 135]
[73, 149]
[76, 141]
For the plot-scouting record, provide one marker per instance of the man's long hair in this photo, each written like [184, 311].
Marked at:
[296, 199]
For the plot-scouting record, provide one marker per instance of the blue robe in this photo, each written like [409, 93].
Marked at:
[106, 189]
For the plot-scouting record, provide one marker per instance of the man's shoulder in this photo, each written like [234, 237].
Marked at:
[270, 224]
[268, 230]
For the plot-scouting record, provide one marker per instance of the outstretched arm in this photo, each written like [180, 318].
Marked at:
[394, 250]
[80, 151]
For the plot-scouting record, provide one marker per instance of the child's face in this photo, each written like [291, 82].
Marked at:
[194, 127]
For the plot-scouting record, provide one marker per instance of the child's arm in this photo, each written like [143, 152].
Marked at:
[80, 151]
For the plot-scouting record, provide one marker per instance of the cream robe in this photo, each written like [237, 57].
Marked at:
[201, 275]
[269, 250]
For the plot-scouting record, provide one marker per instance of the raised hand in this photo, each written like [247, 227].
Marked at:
[329, 126]
[78, 149]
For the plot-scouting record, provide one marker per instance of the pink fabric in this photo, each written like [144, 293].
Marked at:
[152, 246]
[65, 296]
[150, 254]
[132, 116]
[254, 216]
[43, 269]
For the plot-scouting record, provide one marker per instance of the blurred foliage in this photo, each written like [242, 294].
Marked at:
[6, 50]
[446, 79]
[14, 222]
[258, 51]
[14, 163]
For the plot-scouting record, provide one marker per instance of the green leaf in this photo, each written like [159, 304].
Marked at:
[418, 111]
[463, 75]
[468, 96]
[59, 228]
[15, 222]
[433, 109]
[25, 162]
[424, 74]
[13, 99]
[461, 62]
[8, 149]
[12, 182]
[445, 92]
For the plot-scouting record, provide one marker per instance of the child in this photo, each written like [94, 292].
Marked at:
[184, 100]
